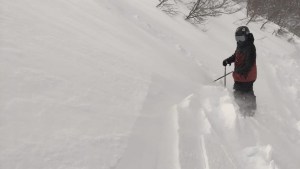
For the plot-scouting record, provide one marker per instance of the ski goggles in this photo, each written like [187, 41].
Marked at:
[240, 38]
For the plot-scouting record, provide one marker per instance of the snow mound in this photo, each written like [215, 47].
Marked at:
[258, 157]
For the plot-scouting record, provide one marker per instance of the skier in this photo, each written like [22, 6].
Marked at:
[245, 71]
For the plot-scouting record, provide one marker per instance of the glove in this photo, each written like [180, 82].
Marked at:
[225, 62]
[229, 60]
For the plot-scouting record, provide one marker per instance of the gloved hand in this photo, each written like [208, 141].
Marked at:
[225, 62]
[229, 60]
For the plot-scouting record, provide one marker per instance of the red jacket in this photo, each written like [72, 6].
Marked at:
[244, 60]
[245, 67]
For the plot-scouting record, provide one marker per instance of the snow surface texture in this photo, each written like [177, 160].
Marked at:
[89, 84]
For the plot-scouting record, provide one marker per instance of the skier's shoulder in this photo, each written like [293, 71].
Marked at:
[250, 47]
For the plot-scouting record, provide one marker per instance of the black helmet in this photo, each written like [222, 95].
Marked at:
[241, 34]
[242, 30]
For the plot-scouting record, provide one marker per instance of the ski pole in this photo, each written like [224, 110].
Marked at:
[223, 76]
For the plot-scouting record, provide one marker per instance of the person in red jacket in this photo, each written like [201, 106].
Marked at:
[245, 71]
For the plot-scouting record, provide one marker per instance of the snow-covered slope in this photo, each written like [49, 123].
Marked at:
[118, 84]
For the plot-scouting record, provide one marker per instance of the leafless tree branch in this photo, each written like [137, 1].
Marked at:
[201, 9]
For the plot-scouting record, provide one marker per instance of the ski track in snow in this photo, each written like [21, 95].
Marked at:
[211, 125]
[154, 139]
[200, 146]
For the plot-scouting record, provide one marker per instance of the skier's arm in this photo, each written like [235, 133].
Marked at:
[229, 60]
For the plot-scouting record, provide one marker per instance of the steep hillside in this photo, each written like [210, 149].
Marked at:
[118, 84]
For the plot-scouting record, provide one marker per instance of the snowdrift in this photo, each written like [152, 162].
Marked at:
[119, 84]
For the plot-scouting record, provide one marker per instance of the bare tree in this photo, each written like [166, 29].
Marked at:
[201, 9]
[255, 10]
[161, 2]
[168, 6]
[285, 13]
